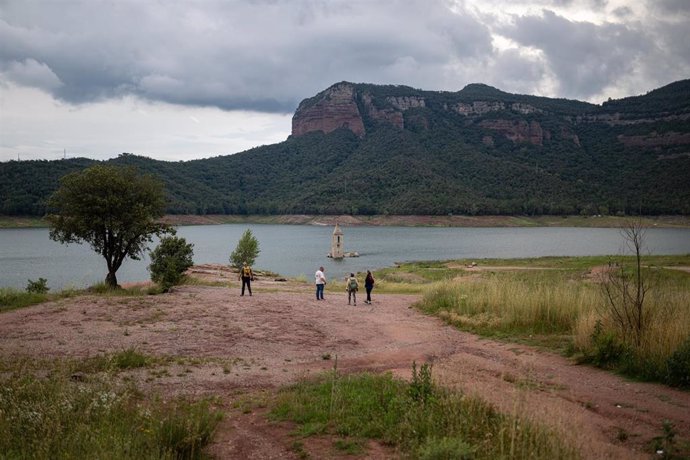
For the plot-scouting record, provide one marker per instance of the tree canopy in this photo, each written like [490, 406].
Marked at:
[113, 209]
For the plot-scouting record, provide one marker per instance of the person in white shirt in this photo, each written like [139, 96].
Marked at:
[320, 280]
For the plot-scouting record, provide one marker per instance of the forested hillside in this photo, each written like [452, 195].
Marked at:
[367, 149]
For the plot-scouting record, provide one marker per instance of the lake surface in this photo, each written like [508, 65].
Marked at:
[295, 250]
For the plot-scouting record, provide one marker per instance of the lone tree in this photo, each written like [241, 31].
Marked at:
[171, 258]
[625, 290]
[114, 209]
[246, 251]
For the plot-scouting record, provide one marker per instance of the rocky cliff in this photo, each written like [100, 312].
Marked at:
[327, 111]
[519, 119]
[351, 106]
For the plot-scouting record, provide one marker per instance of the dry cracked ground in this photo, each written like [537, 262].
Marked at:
[238, 346]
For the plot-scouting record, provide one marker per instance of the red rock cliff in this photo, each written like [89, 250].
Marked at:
[334, 108]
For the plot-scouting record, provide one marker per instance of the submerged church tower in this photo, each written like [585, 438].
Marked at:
[337, 243]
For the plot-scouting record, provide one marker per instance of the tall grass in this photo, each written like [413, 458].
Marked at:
[49, 414]
[510, 303]
[563, 302]
[443, 424]
[667, 330]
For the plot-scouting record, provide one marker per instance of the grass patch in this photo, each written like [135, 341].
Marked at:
[12, 299]
[420, 419]
[557, 304]
[46, 413]
[511, 303]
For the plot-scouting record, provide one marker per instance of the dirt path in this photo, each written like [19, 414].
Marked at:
[231, 346]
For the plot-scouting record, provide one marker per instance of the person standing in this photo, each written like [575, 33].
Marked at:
[246, 275]
[320, 280]
[352, 287]
[369, 285]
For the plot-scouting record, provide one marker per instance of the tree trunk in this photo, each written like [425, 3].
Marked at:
[111, 280]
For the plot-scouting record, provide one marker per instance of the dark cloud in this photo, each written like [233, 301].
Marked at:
[672, 6]
[260, 55]
[267, 55]
[585, 57]
[623, 12]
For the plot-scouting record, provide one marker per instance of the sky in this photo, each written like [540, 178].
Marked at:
[178, 80]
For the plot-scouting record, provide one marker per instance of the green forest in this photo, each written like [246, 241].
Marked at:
[439, 164]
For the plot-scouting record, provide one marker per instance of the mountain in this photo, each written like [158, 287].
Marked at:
[384, 149]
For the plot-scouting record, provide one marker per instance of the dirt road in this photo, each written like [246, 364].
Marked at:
[227, 345]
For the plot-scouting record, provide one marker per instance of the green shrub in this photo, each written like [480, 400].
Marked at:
[607, 350]
[678, 366]
[171, 258]
[38, 287]
[129, 359]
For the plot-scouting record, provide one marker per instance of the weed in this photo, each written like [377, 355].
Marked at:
[129, 359]
[622, 435]
[298, 448]
[421, 387]
[348, 446]
[665, 445]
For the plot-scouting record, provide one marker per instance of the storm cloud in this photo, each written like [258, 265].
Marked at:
[261, 55]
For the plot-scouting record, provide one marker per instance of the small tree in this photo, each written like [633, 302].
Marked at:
[246, 251]
[114, 209]
[625, 290]
[171, 258]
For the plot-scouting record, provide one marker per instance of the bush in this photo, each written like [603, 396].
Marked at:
[171, 258]
[38, 287]
[607, 350]
[678, 366]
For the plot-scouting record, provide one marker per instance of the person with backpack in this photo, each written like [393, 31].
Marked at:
[247, 276]
[352, 287]
[369, 285]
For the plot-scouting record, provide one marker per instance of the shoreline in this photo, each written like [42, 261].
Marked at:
[387, 220]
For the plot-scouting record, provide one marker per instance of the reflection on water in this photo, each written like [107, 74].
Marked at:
[295, 250]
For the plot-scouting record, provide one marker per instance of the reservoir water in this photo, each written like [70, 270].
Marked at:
[298, 250]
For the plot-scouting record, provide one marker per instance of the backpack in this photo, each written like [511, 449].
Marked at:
[352, 284]
[246, 272]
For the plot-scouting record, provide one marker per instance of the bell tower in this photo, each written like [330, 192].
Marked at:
[337, 243]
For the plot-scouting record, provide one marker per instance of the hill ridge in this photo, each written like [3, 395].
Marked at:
[359, 148]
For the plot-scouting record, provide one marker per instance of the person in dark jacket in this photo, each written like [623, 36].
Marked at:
[247, 276]
[369, 285]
